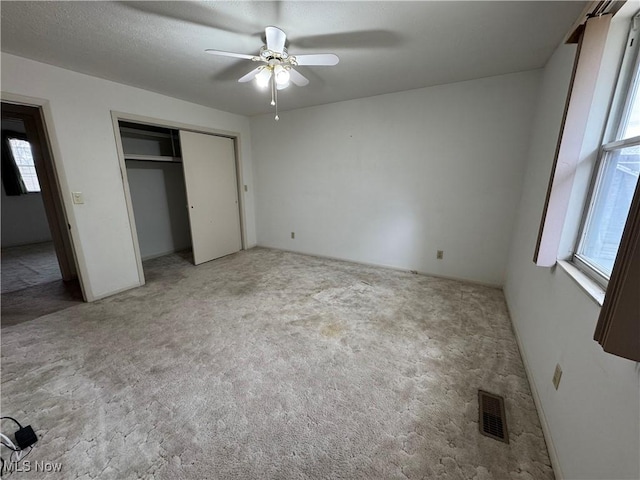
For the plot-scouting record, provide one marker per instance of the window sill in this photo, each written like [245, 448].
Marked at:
[590, 287]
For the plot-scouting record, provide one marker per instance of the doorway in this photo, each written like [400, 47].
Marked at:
[39, 273]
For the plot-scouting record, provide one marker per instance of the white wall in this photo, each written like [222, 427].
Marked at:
[159, 199]
[23, 220]
[391, 179]
[593, 418]
[81, 108]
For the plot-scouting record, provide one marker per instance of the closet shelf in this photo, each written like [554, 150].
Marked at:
[128, 131]
[152, 158]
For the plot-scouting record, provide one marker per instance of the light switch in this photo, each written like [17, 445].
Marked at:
[78, 198]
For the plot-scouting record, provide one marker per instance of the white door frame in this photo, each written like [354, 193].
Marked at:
[63, 186]
[157, 122]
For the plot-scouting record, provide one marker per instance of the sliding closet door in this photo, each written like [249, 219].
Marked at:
[212, 192]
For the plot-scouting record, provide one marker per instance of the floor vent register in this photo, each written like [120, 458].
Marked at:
[493, 421]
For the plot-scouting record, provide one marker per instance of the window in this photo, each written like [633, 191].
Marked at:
[18, 167]
[21, 151]
[616, 175]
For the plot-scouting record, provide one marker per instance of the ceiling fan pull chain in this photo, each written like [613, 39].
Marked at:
[273, 90]
[276, 97]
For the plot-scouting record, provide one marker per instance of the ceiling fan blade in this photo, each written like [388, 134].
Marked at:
[276, 39]
[229, 54]
[317, 59]
[204, 14]
[251, 75]
[297, 78]
[357, 39]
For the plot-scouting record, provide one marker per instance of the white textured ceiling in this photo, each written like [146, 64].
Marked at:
[383, 46]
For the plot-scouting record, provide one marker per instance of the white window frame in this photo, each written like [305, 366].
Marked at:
[628, 83]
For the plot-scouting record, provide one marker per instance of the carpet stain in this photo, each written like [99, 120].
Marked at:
[332, 330]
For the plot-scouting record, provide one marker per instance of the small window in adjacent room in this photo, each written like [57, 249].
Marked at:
[21, 152]
[18, 167]
[616, 175]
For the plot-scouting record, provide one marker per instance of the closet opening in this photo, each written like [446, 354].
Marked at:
[158, 195]
[183, 193]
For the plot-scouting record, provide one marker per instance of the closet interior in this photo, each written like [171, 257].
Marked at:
[157, 186]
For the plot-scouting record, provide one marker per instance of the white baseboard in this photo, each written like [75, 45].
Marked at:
[115, 292]
[382, 265]
[553, 455]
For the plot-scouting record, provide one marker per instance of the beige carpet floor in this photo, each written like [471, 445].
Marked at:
[273, 365]
[32, 284]
[29, 265]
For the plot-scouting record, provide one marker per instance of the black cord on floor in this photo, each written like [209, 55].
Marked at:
[12, 460]
[21, 458]
[14, 451]
[13, 420]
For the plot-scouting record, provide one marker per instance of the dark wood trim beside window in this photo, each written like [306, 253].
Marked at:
[618, 329]
[574, 123]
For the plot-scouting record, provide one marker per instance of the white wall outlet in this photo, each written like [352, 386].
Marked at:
[246, 189]
[293, 234]
[557, 375]
[440, 254]
[78, 198]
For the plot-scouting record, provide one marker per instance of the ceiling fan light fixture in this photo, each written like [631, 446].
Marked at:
[282, 76]
[263, 77]
[278, 73]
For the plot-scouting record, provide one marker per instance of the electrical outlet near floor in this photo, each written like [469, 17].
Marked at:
[557, 375]
[440, 254]
[293, 234]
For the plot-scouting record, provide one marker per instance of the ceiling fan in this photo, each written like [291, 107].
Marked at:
[277, 70]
